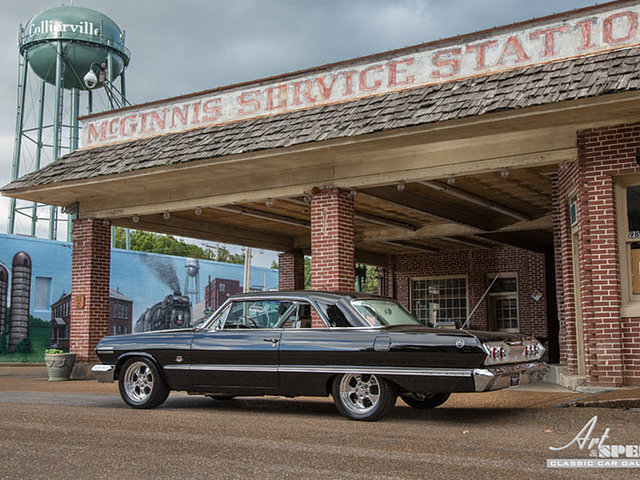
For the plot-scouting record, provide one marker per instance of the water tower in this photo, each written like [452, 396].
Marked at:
[69, 59]
[192, 279]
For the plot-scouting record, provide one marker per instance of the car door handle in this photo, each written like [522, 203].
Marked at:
[271, 340]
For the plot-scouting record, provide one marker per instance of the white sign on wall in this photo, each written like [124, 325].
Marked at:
[411, 68]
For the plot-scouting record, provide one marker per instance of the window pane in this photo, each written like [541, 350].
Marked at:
[633, 211]
[440, 301]
[42, 289]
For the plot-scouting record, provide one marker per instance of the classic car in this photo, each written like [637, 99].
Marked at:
[363, 350]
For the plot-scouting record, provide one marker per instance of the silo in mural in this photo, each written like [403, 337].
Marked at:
[4, 287]
[20, 296]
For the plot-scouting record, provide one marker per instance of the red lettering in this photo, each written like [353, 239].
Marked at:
[348, 78]
[513, 47]
[394, 71]
[325, 91]
[253, 103]
[143, 122]
[481, 52]
[607, 27]
[303, 88]
[132, 124]
[281, 96]
[160, 122]
[212, 110]
[363, 79]
[181, 114]
[452, 63]
[585, 34]
[195, 116]
[549, 38]
[99, 133]
[113, 127]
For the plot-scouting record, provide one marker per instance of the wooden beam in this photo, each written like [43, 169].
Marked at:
[434, 209]
[449, 230]
[410, 246]
[475, 199]
[273, 217]
[176, 225]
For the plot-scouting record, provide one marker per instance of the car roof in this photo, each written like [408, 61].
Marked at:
[327, 296]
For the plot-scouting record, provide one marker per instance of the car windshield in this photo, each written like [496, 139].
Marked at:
[378, 312]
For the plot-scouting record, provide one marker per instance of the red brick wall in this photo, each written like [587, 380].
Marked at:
[332, 245]
[476, 265]
[291, 270]
[89, 286]
[612, 346]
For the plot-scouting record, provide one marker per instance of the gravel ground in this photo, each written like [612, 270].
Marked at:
[82, 429]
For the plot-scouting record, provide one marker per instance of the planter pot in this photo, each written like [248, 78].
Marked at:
[59, 365]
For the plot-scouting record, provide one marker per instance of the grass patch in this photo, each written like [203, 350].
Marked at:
[40, 336]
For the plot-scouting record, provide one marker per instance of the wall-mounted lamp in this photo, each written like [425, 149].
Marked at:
[400, 187]
[269, 202]
[166, 215]
[135, 219]
[504, 173]
[198, 211]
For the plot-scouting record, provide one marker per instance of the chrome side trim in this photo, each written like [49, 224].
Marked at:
[104, 373]
[104, 350]
[374, 370]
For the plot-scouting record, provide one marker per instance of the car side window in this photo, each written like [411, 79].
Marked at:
[298, 315]
[254, 314]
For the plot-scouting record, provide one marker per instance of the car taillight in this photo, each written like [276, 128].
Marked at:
[497, 353]
[531, 350]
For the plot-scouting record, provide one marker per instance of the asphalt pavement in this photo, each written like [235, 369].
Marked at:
[82, 429]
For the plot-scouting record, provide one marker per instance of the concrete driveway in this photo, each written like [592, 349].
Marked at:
[81, 429]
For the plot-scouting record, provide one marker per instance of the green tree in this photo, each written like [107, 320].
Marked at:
[142, 241]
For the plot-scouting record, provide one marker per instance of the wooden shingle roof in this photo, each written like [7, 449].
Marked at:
[568, 80]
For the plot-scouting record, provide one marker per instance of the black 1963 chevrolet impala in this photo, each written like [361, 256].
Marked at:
[363, 350]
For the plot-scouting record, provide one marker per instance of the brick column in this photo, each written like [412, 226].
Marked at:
[610, 350]
[291, 270]
[90, 273]
[332, 247]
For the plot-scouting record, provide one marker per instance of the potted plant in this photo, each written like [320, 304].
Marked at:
[59, 364]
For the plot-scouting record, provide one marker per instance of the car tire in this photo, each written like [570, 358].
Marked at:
[425, 400]
[363, 396]
[141, 384]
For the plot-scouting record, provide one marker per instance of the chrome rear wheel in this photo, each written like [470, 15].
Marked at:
[363, 396]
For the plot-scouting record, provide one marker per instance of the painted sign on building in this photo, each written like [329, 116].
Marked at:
[464, 57]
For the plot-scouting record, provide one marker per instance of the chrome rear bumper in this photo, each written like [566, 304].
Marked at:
[104, 373]
[506, 376]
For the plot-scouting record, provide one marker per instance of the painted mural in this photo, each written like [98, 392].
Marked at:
[148, 291]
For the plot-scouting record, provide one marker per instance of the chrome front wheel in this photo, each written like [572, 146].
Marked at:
[363, 396]
[141, 385]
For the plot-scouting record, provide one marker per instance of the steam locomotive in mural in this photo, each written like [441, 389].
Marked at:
[174, 311]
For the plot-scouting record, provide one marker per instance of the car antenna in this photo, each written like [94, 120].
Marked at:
[479, 301]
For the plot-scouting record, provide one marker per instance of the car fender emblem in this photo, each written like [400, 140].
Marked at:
[179, 359]
[460, 343]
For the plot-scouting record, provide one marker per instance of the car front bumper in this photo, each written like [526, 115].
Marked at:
[104, 373]
[506, 376]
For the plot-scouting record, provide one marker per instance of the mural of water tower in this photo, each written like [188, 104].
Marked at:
[70, 58]
[192, 280]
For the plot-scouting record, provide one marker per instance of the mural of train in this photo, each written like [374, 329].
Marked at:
[174, 311]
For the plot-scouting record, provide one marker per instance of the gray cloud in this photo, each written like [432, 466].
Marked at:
[188, 46]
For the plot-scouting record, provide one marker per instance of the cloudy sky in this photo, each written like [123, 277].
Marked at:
[192, 45]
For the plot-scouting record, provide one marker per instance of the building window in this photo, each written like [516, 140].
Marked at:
[628, 221]
[503, 302]
[42, 293]
[439, 301]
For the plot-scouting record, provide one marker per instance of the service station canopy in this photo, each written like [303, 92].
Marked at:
[447, 145]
